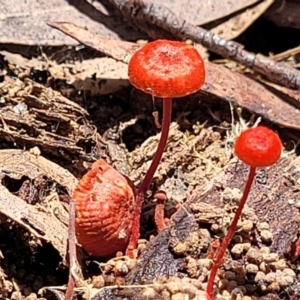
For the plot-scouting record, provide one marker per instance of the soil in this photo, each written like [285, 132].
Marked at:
[198, 172]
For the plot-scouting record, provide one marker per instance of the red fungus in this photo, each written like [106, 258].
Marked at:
[165, 69]
[104, 203]
[256, 147]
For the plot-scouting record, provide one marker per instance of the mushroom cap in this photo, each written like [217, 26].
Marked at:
[105, 202]
[167, 69]
[258, 147]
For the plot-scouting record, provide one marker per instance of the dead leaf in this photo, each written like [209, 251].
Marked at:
[199, 13]
[241, 21]
[120, 50]
[25, 22]
[18, 163]
[100, 76]
[247, 93]
[39, 219]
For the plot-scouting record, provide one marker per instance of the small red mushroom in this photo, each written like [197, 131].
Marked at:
[165, 69]
[104, 204]
[256, 147]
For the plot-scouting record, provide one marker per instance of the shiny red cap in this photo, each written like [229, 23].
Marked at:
[258, 147]
[167, 69]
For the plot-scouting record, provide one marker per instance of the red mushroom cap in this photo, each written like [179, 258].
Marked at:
[258, 147]
[167, 69]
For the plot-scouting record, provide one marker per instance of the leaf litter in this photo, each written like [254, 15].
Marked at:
[200, 180]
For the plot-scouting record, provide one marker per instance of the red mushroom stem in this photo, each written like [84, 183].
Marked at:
[227, 239]
[167, 114]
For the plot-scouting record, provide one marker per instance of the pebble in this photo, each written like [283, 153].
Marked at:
[284, 280]
[279, 265]
[251, 268]
[264, 250]
[232, 195]
[263, 267]
[222, 284]
[158, 286]
[246, 225]
[149, 293]
[289, 272]
[190, 290]
[262, 226]
[173, 287]
[229, 275]
[121, 268]
[205, 263]
[232, 284]
[240, 278]
[260, 276]
[180, 248]
[192, 267]
[270, 277]
[178, 296]
[165, 294]
[266, 236]
[271, 257]
[274, 287]
[254, 256]
[239, 290]
[237, 250]
[251, 288]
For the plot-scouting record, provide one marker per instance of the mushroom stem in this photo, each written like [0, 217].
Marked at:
[167, 113]
[227, 239]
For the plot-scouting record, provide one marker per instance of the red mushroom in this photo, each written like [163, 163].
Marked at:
[256, 147]
[104, 202]
[165, 69]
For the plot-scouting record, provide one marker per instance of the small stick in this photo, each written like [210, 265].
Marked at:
[72, 251]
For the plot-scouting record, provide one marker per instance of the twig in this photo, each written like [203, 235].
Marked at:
[144, 13]
[72, 251]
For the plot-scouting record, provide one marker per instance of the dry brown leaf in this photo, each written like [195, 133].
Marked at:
[40, 218]
[18, 163]
[247, 93]
[239, 23]
[120, 50]
[25, 22]
[220, 82]
[100, 76]
[37, 221]
[199, 12]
